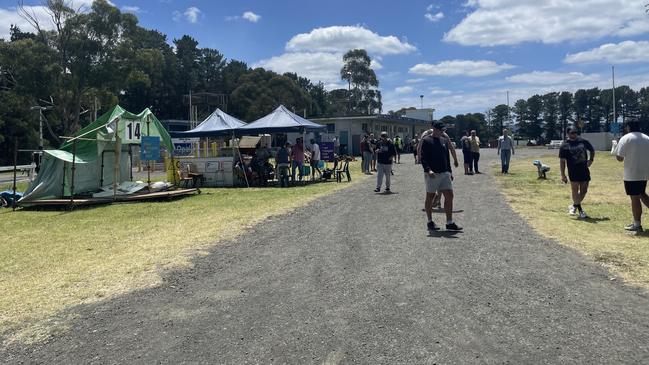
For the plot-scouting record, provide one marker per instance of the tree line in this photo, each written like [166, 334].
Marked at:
[96, 58]
[542, 118]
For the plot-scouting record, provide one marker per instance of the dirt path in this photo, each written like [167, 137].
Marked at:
[356, 278]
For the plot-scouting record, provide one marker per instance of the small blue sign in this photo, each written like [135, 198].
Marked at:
[327, 151]
[150, 148]
[615, 128]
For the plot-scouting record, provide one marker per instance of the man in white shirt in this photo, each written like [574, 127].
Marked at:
[633, 149]
[315, 159]
[505, 150]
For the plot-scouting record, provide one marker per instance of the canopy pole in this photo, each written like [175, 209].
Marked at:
[74, 160]
[148, 163]
[118, 150]
[303, 152]
[243, 164]
[13, 204]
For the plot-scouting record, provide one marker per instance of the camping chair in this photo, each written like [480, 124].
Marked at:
[197, 177]
[183, 178]
[343, 170]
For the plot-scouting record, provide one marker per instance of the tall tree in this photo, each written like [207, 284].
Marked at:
[358, 72]
[550, 114]
[565, 111]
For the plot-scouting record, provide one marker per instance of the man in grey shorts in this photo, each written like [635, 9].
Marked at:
[435, 161]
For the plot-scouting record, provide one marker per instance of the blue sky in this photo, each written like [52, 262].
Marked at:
[462, 55]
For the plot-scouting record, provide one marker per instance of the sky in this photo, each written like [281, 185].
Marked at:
[461, 55]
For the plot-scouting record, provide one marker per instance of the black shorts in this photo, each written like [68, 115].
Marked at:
[398, 150]
[579, 173]
[314, 163]
[635, 187]
[468, 157]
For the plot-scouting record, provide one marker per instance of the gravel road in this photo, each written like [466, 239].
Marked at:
[356, 278]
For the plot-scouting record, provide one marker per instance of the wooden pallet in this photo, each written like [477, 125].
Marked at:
[169, 194]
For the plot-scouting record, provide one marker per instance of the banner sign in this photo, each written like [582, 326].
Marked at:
[183, 146]
[150, 148]
[615, 128]
[327, 151]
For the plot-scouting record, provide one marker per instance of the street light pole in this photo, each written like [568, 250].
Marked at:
[40, 123]
[421, 98]
[349, 93]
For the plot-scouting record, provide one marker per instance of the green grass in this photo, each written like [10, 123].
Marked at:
[544, 204]
[51, 260]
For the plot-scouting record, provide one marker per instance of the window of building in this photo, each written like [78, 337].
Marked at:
[384, 128]
[364, 127]
[331, 127]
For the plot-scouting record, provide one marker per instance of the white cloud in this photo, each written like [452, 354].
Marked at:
[192, 14]
[508, 22]
[375, 65]
[131, 9]
[437, 91]
[415, 81]
[316, 66]
[340, 39]
[430, 7]
[552, 78]
[434, 18]
[10, 15]
[176, 16]
[624, 52]
[460, 68]
[404, 90]
[251, 17]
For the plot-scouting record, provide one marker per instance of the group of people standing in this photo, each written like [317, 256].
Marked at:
[289, 162]
[577, 155]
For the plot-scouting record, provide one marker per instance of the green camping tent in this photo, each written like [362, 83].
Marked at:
[92, 152]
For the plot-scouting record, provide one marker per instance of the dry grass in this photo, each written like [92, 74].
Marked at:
[544, 204]
[51, 260]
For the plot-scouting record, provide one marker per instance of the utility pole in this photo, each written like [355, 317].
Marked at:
[349, 93]
[421, 98]
[614, 113]
[40, 123]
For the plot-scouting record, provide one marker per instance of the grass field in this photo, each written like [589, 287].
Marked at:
[602, 237]
[51, 260]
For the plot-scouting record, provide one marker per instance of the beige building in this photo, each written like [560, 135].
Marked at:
[349, 130]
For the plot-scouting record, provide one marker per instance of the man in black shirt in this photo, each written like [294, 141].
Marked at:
[436, 164]
[385, 153]
[574, 153]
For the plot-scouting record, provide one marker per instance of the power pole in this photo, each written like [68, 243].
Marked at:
[614, 113]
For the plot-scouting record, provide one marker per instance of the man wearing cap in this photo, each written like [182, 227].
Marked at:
[574, 154]
[436, 165]
[385, 153]
[633, 149]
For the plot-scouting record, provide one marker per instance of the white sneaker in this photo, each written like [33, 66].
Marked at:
[582, 215]
[571, 209]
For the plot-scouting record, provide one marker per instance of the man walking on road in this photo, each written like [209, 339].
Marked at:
[398, 145]
[475, 151]
[633, 149]
[385, 153]
[435, 162]
[574, 153]
[505, 150]
[466, 152]
[367, 155]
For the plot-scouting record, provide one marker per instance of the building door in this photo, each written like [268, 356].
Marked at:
[356, 145]
[344, 142]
